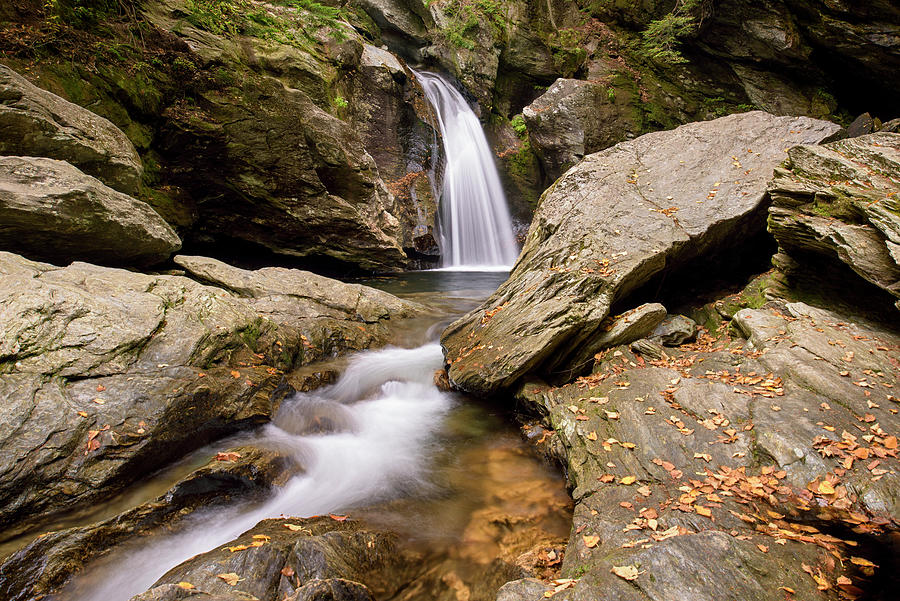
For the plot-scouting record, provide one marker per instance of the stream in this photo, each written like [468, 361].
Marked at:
[448, 474]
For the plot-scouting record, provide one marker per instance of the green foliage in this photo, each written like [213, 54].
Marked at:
[466, 16]
[518, 124]
[296, 27]
[340, 102]
[84, 13]
[568, 50]
[662, 38]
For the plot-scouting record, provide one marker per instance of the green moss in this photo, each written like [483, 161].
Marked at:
[518, 124]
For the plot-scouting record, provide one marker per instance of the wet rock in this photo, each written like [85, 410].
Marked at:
[311, 551]
[52, 211]
[675, 330]
[332, 589]
[837, 202]
[37, 123]
[610, 224]
[47, 563]
[107, 375]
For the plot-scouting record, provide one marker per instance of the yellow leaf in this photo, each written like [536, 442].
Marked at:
[294, 527]
[704, 511]
[627, 480]
[231, 579]
[626, 572]
[590, 541]
[237, 548]
[825, 488]
[261, 537]
[861, 561]
[186, 585]
[592, 436]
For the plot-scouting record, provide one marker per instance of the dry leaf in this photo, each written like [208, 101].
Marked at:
[294, 527]
[338, 518]
[825, 488]
[185, 585]
[287, 571]
[230, 578]
[235, 374]
[862, 561]
[626, 572]
[238, 548]
[590, 541]
[627, 480]
[227, 456]
[704, 511]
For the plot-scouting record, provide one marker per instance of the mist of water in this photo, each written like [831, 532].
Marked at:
[361, 441]
[475, 224]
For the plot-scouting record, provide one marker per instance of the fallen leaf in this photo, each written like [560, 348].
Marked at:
[862, 561]
[235, 374]
[704, 511]
[763, 548]
[230, 578]
[590, 541]
[83, 413]
[787, 589]
[185, 585]
[100, 387]
[338, 518]
[294, 527]
[825, 488]
[238, 548]
[626, 572]
[592, 435]
[98, 401]
[628, 480]
[890, 442]
[612, 414]
[287, 571]
[227, 456]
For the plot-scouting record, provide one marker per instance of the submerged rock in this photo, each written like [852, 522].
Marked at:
[611, 223]
[52, 211]
[839, 202]
[38, 123]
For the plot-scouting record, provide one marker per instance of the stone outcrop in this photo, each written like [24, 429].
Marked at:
[611, 223]
[46, 564]
[35, 122]
[51, 211]
[730, 467]
[107, 375]
[839, 202]
[574, 118]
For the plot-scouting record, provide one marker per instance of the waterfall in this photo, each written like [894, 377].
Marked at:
[475, 225]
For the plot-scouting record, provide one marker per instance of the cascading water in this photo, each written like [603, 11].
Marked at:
[373, 450]
[476, 228]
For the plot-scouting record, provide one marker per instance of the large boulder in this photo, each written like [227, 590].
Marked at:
[574, 118]
[839, 202]
[611, 223]
[35, 122]
[107, 375]
[51, 211]
[731, 467]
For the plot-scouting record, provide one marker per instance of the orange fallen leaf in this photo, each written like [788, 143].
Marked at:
[100, 387]
[787, 589]
[890, 442]
[237, 548]
[862, 561]
[338, 518]
[763, 548]
[235, 374]
[704, 511]
[83, 413]
[287, 571]
[227, 456]
[590, 541]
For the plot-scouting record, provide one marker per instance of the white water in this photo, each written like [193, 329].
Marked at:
[476, 228]
[380, 416]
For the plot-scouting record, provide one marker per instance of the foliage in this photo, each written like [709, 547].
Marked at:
[466, 16]
[662, 37]
[568, 50]
[340, 102]
[518, 124]
[83, 13]
[295, 26]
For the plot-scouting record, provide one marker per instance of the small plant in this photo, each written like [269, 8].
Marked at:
[518, 124]
[340, 102]
[611, 95]
[662, 38]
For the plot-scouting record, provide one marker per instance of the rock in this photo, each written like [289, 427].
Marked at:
[647, 348]
[35, 122]
[611, 223]
[46, 564]
[837, 201]
[861, 126]
[52, 211]
[94, 362]
[334, 317]
[526, 589]
[675, 330]
[322, 550]
[574, 118]
[332, 589]
[730, 478]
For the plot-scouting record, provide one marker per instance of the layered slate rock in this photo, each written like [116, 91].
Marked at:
[46, 564]
[35, 122]
[731, 467]
[611, 223]
[840, 202]
[107, 375]
[52, 211]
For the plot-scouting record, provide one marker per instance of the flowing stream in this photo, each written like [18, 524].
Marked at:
[394, 447]
[475, 224]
